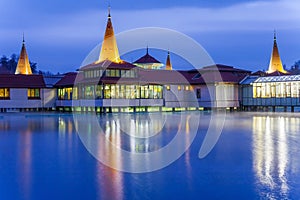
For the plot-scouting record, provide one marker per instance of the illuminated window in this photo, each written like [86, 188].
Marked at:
[89, 92]
[122, 91]
[167, 87]
[273, 90]
[99, 89]
[294, 89]
[4, 93]
[33, 93]
[67, 93]
[288, 89]
[187, 87]
[107, 92]
[179, 87]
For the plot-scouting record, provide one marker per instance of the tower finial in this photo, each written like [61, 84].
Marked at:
[109, 10]
[23, 38]
[274, 34]
[147, 52]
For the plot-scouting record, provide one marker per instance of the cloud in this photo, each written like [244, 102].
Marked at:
[90, 24]
[82, 30]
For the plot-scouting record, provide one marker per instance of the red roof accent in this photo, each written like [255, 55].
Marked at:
[21, 81]
[69, 79]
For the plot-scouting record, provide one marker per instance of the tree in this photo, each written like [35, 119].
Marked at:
[12, 63]
[295, 69]
[4, 61]
[33, 66]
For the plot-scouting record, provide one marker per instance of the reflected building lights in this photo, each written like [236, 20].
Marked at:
[270, 154]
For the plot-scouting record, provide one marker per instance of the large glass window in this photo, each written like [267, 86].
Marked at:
[89, 92]
[257, 90]
[4, 93]
[99, 90]
[273, 90]
[288, 89]
[67, 93]
[33, 93]
[107, 91]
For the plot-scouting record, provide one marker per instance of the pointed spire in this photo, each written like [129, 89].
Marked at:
[168, 62]
[23, 66]
[109, 11]
[275, 61]
[109, 49]
[147, 51]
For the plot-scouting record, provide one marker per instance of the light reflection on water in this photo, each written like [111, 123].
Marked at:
[42, 157]
[272, 158]
[116, 141]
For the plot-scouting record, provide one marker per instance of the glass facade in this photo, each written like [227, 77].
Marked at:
[68, 93]
[112, 91]
[276, 89]
[97, 73]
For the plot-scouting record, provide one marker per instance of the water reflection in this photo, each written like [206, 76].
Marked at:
[271, 153]
[137, 149]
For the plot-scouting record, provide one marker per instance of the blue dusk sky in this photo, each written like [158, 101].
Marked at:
[60, 33]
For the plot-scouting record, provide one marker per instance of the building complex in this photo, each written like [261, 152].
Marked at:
[111, 84]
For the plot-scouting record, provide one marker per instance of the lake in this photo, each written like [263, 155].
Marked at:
[181, 155]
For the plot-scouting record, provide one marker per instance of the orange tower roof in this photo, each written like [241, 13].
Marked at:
[23, 66]
[109, 49]
[275, 61]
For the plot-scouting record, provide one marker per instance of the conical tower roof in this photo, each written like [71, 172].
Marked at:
[275, 61]
[23, 66]
[109, 49]
[168, 62]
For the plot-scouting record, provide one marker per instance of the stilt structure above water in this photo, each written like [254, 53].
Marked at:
[23, 66]
[275, 61]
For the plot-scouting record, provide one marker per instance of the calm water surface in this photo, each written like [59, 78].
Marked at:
[256, 157]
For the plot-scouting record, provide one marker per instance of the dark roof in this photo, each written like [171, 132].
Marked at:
[50, 81]
[259, 73]
[210, 74]
[69, 79]
[216, 73]
[21, 81]
[109, 65]
[146, 59]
